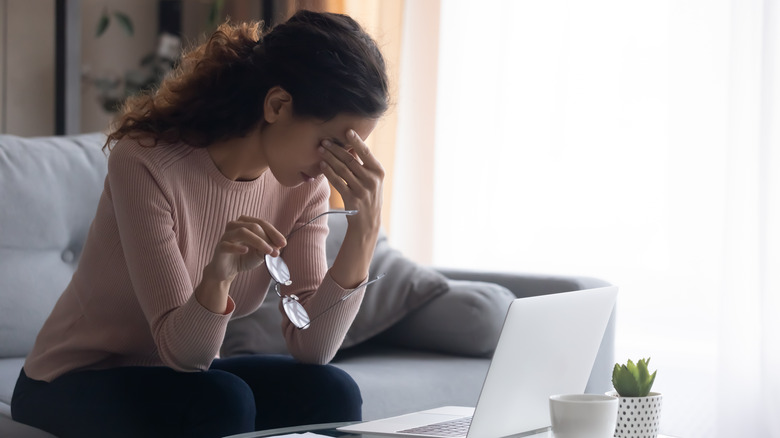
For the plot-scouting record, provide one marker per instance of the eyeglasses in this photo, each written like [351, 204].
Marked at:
[280, 273]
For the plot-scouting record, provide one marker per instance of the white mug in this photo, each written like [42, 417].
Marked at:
[583, 415]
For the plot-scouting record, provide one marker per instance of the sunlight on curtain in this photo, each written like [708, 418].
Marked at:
[411, 219]
[632, 141]
[383, 20]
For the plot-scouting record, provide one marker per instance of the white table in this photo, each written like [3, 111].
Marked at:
[328, 429]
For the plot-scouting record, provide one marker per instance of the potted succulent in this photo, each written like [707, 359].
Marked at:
[639, 409]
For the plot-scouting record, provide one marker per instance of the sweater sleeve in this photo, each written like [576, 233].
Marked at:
[186, 334]
[320, 342]
[316, 290]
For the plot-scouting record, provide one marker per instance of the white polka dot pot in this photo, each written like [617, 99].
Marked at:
[638, 417]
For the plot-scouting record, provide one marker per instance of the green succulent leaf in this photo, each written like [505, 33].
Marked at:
[642, 367]
[644, 377]
[624, 382]
[632, 368]
[633, 380]
[649, 384]
[103, 23]
[125, 21]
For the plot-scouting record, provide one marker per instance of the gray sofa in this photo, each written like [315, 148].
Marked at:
[420, 331]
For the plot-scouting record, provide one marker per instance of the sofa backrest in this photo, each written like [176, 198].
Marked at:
[49, 189]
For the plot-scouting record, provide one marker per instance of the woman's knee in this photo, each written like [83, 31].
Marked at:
[225, 398]
[226, 389]
[341, 383]
[338, 392]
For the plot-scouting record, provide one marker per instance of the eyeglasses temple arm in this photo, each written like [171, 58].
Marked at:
[352, 292]
[344, 212]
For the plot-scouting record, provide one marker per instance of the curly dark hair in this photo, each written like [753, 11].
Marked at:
[326, 61]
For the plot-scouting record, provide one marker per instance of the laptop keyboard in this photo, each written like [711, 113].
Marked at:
[456, 427]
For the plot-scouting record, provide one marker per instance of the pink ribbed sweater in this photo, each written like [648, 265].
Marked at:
[162, 211]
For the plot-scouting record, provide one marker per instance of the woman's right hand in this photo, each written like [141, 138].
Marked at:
[243, 247]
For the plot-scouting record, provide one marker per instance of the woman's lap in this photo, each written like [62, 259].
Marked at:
[236, 395]
[299, 393]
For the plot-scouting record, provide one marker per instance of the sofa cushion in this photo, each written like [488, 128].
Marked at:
[465, 321]
[406, 287]
[396, 381]
[9, 372]
[49, 189]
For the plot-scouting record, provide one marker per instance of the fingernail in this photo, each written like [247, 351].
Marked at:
[321, 150]
[323, 165]
[352, 133]
[327, 143]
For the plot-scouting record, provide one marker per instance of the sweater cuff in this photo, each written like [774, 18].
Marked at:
[201, 333]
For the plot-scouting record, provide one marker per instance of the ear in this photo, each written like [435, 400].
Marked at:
[278, 103]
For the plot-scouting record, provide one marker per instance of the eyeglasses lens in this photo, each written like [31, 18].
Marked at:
[295, 311]
[281, 275]
[278, 270]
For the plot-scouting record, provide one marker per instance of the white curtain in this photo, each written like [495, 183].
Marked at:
[635, 141]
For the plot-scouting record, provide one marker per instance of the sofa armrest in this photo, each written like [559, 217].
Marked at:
[526, 285]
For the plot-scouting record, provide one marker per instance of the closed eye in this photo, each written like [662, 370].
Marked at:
[337, 142]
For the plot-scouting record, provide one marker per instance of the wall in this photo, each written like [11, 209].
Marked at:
[195, 17]
[27, 67]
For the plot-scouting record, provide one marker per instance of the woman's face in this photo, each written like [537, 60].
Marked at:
[291, 144]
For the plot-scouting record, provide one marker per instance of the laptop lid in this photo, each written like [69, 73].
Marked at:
[547, 346]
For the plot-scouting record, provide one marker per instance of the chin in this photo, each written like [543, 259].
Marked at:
[294, 179]
[287, 180]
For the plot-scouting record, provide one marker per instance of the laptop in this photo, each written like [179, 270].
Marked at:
[547, 346]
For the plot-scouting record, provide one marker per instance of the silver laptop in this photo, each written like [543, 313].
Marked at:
[548, 345]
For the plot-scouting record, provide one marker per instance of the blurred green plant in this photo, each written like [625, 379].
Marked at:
[215, 14]
[633, 380]
[113, 89]
[105, 20]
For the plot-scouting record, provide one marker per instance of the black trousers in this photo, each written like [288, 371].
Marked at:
[235, 395]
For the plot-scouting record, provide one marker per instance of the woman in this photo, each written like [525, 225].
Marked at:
[206, 176]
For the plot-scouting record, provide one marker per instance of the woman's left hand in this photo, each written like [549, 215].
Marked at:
[358, 176]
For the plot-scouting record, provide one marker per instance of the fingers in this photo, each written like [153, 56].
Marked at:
[232, 248]
[335, 154]
[252, 233]
[362, 150]
[340, 166]
[239, 235]
[274, 235]
[335, 180]
[355, 173]
[354, 158]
